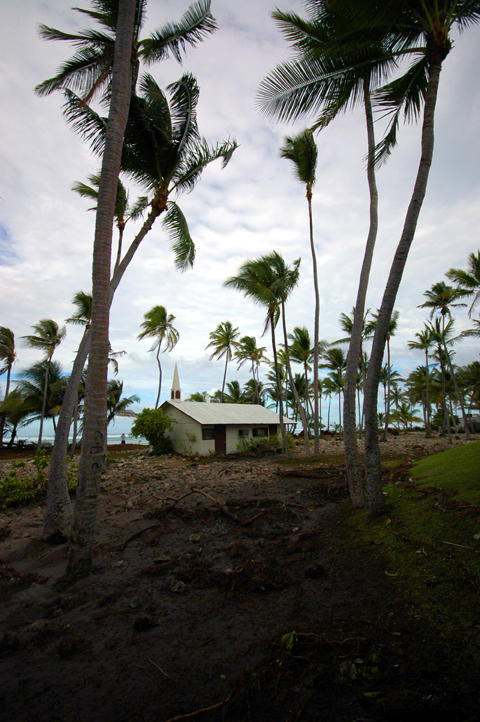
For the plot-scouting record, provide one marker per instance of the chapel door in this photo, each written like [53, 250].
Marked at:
[220, 439]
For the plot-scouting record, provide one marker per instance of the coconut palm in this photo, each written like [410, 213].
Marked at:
[116, 404]
[92, 457]
[16, 411]
[247, 350]
[89, 71]
[420, 31]
[32, 388]
[268, 281]
[7, 359]
[301, 150]
[468, 282]
[424, 343]
[330, 73]
[223, 341]
[158, 324]
[46, 337]
[441, 298]
[392, 327]
[166, 156]
[336, 361]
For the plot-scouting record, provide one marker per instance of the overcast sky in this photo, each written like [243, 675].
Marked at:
[250, 208]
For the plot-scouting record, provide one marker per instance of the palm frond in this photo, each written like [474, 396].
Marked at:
[182, 243]
[139, 207]
[173, 38]
[85, 121]
[184, 95]
[87, 70]
[199, 157]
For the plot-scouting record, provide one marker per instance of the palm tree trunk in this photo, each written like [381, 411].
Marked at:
[316, 333]
[2, 416]
[300, 408]
[58, 512]
[387, 395]
[92, 458]
[428, 431]
[44, 399]
[159, 377]
[374, 500]
[457, 392]
[279, 390]
[224, 375]
[354, 471]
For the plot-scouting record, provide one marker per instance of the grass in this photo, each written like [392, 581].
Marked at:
[429, 541]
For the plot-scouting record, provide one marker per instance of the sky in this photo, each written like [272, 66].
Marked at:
[252, 207]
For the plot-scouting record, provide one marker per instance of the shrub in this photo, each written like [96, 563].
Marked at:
[152, 424]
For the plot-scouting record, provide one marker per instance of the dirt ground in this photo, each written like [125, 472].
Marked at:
[229, 589]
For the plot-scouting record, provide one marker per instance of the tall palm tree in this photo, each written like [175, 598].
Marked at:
[247, 350]
[424, 343]
[301, 352]
[336, 361]
[166, 156]
[48, 335]
[330, 73]
[421, 31]
[468, 282]
[158, 324]
[301, 150]
[32, 388]
[223, 341]
[268, 281]
[7, 359]
[89, 71]
[92, 457]
[441, 299]
[392, 327]
[437, 333]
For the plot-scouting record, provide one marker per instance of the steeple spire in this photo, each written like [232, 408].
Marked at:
[176, 393]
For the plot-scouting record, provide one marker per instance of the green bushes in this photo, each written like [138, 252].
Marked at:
[18, 488]
[152, 424]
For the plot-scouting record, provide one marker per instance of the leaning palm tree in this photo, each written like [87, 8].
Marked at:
[158, 324]
[331, 72]
[92, 457]
[301, 150]
[468, 282]
[223, 341]
[89, 72]
[424, 343]
[48, 335]
[166, 156]
[419, 30]
[7, 359]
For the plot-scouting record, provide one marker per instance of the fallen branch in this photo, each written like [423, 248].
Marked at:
[220, 502]
[200, 711]
[452, 544]
[137, 534]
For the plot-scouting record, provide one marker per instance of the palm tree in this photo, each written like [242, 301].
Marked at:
[441, 299]
[165, 156]
[247, 350]
[116, 405]
[301, 352]
[7, 359]
[468, 282]
[89, 72]
[336, 361]
[301, 150]
[392, 327]
[268, 281]
[123, 211]
[92, 457]
[32, 388]
[331, 73]
[158, 324]
[16, 411]
[424, 343]
[48, 335]
[420, 30]
[223, 341]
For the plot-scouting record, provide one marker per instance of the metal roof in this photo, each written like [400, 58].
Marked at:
[205, 413]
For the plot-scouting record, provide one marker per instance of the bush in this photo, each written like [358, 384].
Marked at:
[18, 488]
[152, 424]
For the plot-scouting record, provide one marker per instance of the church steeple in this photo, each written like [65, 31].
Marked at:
[176, 393]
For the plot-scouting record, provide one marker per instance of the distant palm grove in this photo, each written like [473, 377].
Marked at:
[385, 57]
